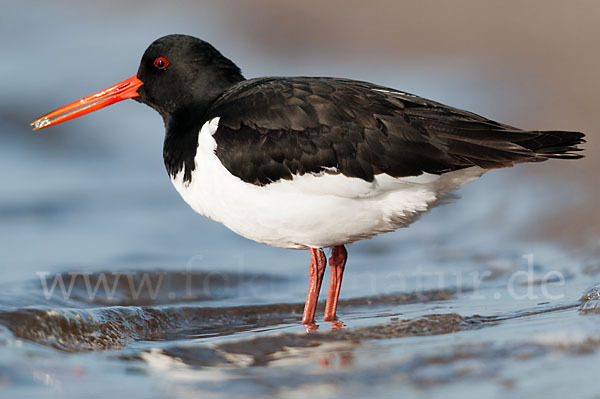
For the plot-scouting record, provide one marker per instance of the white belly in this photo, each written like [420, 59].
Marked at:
[310, 211]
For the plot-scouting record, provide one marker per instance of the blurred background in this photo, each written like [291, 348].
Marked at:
[92, 194]
[95, 189]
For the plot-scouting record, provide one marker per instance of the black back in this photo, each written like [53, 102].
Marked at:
[274, 128]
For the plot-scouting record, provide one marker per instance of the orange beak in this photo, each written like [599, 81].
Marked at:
[121, 91]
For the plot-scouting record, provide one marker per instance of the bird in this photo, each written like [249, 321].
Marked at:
[310, 163]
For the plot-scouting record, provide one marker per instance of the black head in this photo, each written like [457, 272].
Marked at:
[181, 73]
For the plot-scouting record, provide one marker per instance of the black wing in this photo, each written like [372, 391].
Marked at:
[274, 128]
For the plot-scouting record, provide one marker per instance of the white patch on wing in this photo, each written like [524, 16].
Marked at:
[212, 126]
[392, 91]
[312, 210]
[331, 169]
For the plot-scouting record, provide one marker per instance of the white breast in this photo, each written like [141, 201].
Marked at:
[310, 211]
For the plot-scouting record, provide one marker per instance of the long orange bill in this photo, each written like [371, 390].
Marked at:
[121, 91]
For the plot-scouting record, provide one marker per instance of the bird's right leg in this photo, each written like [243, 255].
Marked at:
[337, 263]
[316, 270]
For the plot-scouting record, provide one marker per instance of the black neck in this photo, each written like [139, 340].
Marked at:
[183, 124]
[181, 141]
[182, 128]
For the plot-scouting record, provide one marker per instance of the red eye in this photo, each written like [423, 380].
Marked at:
[161, 63]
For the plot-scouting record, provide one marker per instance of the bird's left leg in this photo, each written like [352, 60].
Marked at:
[337, 263]
[316, 270]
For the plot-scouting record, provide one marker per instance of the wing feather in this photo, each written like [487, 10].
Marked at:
[275, 128]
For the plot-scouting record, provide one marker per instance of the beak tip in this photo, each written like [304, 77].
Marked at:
[40, 123]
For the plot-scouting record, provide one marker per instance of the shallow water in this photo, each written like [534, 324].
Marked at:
[111, 285]
[225, 340]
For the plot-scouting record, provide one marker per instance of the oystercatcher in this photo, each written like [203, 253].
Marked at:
[310, 162]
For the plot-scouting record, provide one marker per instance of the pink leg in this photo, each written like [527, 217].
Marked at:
[337, 262]
[318, 261]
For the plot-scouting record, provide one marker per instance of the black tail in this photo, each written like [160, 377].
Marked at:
[553, 144]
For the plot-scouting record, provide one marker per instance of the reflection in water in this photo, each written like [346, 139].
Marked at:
[336, 359]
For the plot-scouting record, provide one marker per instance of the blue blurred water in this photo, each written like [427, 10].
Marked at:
[92, 196]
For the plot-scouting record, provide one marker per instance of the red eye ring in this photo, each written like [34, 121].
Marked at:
[161, 63]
